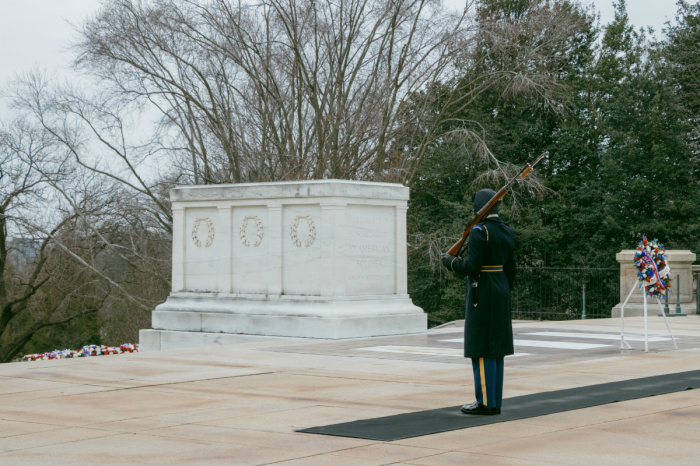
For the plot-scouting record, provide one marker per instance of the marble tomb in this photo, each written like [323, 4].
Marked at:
[312, 259]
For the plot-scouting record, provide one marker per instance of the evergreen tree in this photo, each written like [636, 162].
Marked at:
[644, 182]
[516, 129]
[682, 49]
[620, 160]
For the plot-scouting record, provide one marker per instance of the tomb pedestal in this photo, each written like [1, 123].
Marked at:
[310, 259]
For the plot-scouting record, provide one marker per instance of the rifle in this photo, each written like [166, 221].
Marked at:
[457, 248]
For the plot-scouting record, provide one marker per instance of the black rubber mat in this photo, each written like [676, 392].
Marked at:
[409, 425]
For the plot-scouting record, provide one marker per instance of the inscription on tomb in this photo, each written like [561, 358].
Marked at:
[368, 248]
[379, 278]
[368, 264]
[367, 234]
[370, 220]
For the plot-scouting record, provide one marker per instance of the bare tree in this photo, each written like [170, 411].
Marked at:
[44, 290]
[134, 220]
[90, 244]
[306, 89]
[278, 89]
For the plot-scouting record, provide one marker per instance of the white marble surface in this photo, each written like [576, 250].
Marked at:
[314, 259]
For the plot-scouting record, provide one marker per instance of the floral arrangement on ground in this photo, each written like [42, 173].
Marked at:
[653, 271]
[85, 351]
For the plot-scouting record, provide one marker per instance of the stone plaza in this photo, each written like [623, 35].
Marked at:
[241, 404]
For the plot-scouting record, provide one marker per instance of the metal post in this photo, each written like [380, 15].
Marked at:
[646, 330]
[583, 311]
[540, 290]
[679, 311]
[623, 343]
[697, 294]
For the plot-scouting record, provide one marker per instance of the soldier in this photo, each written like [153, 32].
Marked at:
[488, 332]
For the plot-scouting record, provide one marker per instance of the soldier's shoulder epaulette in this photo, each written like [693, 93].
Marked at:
[481, 227]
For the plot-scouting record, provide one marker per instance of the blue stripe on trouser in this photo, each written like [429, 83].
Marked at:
[492, 383]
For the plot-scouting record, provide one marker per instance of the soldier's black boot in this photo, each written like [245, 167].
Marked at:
[481, 409]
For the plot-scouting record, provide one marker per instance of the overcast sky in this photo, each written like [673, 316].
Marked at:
[36, 32]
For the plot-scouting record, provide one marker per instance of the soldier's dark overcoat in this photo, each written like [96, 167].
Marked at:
[488, 332]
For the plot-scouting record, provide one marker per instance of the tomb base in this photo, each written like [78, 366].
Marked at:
[156, 340]
[228, 317]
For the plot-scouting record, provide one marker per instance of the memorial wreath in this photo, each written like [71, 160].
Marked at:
[653, 271]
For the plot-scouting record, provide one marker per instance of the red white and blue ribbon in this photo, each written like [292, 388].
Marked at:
[651, 265]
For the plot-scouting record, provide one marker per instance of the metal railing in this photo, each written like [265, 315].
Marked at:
[558, 293]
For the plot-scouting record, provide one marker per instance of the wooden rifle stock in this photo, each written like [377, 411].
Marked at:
[455, 250]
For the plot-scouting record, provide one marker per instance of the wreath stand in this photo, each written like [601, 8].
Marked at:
[623, 343]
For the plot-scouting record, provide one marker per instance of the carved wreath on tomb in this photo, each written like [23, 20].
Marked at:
[312, 231]
[210, 232]
[258, 234]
